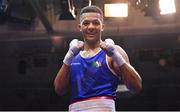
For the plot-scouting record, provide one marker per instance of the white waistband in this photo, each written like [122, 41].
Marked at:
[100, 105]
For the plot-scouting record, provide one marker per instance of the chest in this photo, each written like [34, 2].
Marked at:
[91, 65]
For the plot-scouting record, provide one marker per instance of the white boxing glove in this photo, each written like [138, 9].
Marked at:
[74, 47]
[109, 46]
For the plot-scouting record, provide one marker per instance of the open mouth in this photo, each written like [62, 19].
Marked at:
[91, 34]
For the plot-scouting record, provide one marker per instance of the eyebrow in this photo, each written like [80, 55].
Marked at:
[92, 20]
[100, 17]
[99, 20]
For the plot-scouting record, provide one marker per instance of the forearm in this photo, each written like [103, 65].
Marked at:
[131, 78]
[61, 81]
[120, 62]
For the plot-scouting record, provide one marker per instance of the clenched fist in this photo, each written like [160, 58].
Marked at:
[74, 47]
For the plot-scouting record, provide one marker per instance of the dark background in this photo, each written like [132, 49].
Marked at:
[28, 69]
[34, 41]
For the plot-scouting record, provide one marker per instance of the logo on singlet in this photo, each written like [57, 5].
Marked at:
[75, 63]
[96, 64]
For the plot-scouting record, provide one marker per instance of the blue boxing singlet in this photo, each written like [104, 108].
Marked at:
[90, 77]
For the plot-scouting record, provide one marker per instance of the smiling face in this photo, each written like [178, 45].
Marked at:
[91, 26]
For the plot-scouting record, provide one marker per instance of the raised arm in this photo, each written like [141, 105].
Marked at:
[121, 65]
[61, 81]
[130, 76]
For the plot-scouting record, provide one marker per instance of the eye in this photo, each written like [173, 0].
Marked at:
[96, 23]
[85, 23]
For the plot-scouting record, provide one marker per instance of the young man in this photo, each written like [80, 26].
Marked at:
[91, 67]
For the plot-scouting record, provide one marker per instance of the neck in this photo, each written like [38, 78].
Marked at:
[95, 46]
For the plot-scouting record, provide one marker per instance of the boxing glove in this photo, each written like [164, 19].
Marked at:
[74, 47]
[109, 47]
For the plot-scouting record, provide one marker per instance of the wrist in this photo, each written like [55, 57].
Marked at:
[117, 57]
[68, 58]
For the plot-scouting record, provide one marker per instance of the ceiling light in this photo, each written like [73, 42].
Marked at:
[116, 10]
[167, 6]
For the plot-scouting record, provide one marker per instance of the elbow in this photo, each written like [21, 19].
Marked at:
[57, 89]
[136, 89]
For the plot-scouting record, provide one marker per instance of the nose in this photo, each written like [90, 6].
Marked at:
[91, 26]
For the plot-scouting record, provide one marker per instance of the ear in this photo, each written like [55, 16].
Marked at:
[102, 29]
[79, 26]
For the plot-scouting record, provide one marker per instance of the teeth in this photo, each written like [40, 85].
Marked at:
[91, 33]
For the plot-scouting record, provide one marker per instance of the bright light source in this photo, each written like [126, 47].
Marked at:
[167, 6]
[116, 10]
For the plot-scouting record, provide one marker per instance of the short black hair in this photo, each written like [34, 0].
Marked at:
[91, 8]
